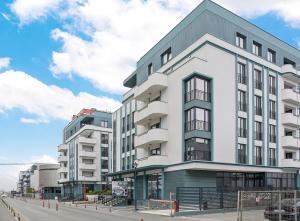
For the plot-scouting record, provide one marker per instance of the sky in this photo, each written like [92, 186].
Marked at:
[58, 56]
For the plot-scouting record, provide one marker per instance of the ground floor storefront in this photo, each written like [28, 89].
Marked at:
[160, 183]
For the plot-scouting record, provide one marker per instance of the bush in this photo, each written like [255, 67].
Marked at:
[100, 192]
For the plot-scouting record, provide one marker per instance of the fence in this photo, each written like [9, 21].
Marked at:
[205, 198]
[268, 205]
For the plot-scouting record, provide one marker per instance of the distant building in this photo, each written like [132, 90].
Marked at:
[84, 153]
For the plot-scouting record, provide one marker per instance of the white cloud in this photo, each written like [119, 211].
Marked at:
[10, 174]
[33, 121]
[4, 62]
[20, 90]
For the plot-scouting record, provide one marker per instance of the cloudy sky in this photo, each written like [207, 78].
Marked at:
[57, 56]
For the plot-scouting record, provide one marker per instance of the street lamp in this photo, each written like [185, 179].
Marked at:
[135, 164]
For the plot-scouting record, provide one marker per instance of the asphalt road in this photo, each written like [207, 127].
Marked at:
[32, 210]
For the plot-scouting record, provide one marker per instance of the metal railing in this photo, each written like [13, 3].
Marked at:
[273, 115]
[197, 155]
[258, 84]
[242, 132]
[243, 106]
[242, 79]
[272, 138]
[258, 135]
[272, 90]
[197, 95]
[197, 125]
[258, 111]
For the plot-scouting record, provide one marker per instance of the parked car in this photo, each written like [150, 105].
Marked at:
[289, 209]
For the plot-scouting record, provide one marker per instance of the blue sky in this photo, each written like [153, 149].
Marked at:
[64, 56]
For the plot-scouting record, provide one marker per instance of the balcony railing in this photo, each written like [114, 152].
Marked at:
[242, 132]
[258, 135]
[243, 106]
[272, 138]
[258, 84]
[272, 162]
[258, 160]
[197, 125]
[197, 155]
[242, 79]
[197, 95]
[258, 111]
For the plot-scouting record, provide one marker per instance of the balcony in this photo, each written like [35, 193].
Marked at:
[86, 140]
[62, 148]
[91, 154]
[290, 96]
[63, 180]
[288, 69]
[154, 110]
[63, 170]
[152, 137]
[290, 142]
[154, 160]
[290, 163]
[155, 83]
[63, 159]
[289, 119]
[84, 166]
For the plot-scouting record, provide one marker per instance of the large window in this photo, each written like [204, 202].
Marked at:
[272, 157]
[154, 186]
[272, 109]
[256, 48]
[242, 127]
[241, 41]
[258, 155]
[197, 149]
[258, 79]
[258, 105]
[258, 130]
[197, 119]
[104, 138]
[242, 99]
[123, 124]
[242, 77]
[156, 151]
[272, 133]
[242, 153]
[104, 123]
[271, 56]
[166, 56]
[197, 89]
[272, 85]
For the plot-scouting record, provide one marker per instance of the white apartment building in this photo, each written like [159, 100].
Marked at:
[84, 153]
[215, 103]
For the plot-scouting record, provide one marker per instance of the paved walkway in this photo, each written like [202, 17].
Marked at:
[5, 215]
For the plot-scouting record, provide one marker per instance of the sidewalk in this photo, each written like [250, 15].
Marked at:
[5, 215]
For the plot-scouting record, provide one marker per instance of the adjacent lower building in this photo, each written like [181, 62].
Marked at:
[84, 153]
[215, 103]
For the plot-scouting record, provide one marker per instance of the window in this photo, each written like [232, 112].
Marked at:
[132, 120]
[128, 143]
[150, 69]
[271, 56]
[87, 161]
[104, 138]
[156, 151]
[123, 145]
[128, 163]
[258, 79]
[272, 105]
[197, 89]
[256, 48]
[242, 99]
[258, 105]
[258, 130]
[166, 56]
[242, 127]
[87, 148]
[87, 173]
[289, 155]
[242, 77]
[240, 41]
[123, 124]
[242, 153]
[104, 123]
[272, 85]
[197, 149]
[123, 163]
[132, 142]
[272, 133]
[104, 152]
[104, 164]
[128, 122]
[258, 155]
[197, 119]
[288, 61]
[272, 157]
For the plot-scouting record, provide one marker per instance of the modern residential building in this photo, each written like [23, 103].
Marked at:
[22, 183]
[43, 180]
[84, 153]
[215, 103]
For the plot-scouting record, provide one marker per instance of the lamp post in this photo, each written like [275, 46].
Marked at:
[135, 186]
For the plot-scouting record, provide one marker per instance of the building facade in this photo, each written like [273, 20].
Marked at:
[215, 103]
[84, 153]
